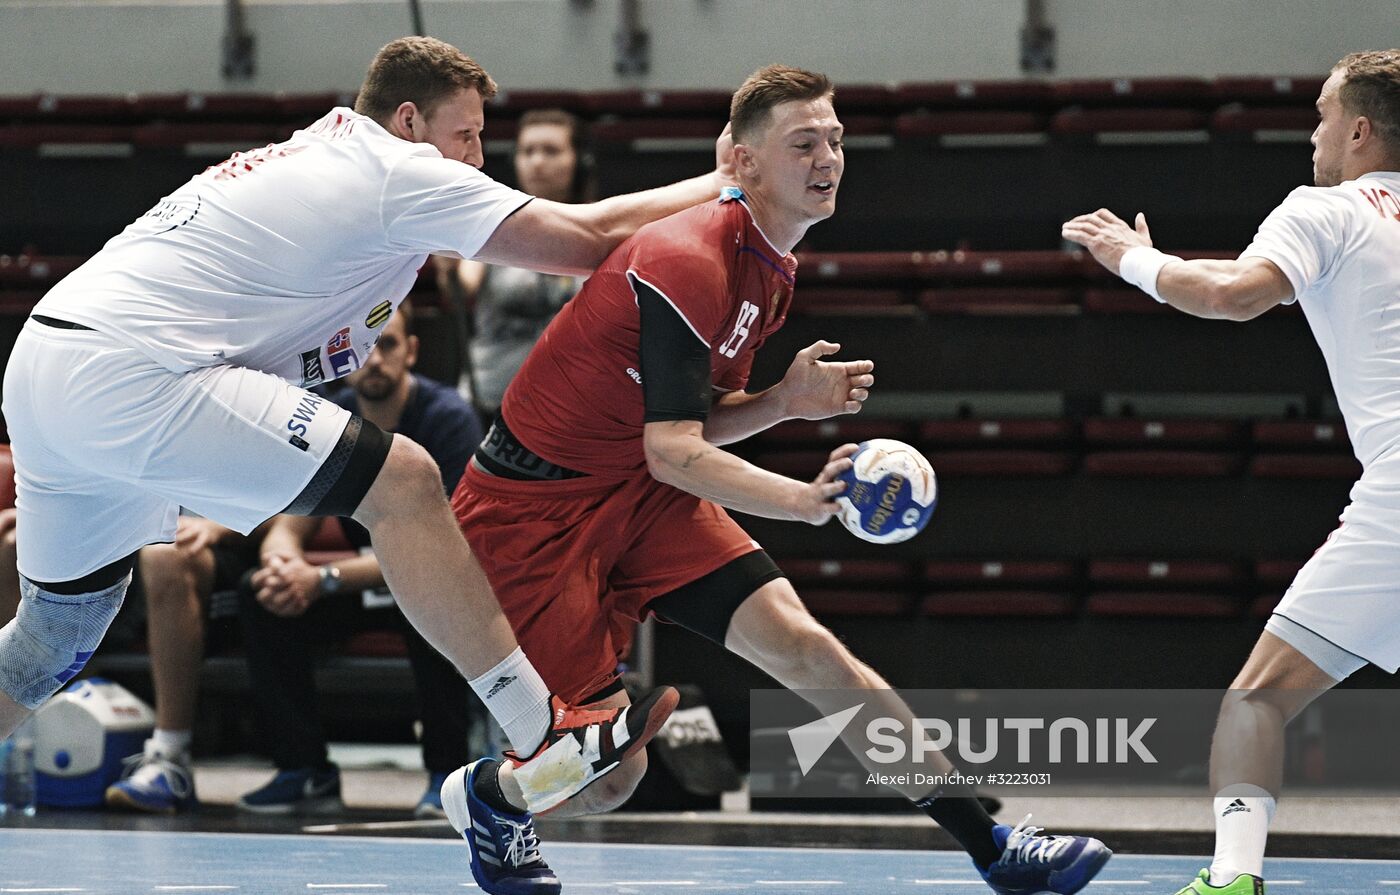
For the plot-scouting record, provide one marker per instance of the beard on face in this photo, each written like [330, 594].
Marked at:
[372, 386]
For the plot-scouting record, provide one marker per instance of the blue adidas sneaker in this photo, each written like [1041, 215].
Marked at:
[154, 781]
[1032, 864]
[504, 847]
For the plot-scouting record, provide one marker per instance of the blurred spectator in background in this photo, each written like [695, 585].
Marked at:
[284, 613]
[501, 311]
[178, 579]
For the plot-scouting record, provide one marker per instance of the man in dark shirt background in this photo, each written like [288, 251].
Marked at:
[294, 604]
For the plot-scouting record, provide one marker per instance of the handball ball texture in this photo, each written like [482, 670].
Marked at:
[890, 492]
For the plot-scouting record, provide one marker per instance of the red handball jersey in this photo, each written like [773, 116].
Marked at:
[578, 399]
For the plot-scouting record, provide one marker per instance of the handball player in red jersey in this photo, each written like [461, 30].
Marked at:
[600, 493]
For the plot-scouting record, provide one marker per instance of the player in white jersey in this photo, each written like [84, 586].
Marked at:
[170, 370]
[1335, 249]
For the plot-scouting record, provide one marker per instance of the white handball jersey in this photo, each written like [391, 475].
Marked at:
[286, 259]
[1340, 248]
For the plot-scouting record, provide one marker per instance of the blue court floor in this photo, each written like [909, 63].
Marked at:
[125, 863]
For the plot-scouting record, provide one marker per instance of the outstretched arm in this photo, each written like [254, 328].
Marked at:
[1228, 290]
[554, 237]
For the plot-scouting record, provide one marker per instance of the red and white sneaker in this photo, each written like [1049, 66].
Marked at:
[584, 745]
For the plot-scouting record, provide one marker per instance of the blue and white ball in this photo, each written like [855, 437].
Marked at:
[890, 492]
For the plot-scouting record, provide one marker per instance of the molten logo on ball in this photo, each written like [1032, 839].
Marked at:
[890, 492]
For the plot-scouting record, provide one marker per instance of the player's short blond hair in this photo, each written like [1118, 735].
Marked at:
[420, 70]
[1372, 89]
[750, 109]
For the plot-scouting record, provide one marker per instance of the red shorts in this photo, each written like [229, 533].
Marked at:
[574, 563]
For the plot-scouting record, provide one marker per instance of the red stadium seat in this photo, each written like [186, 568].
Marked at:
[515, 102]
[627, 103]
[973, 94]
[1002, 463]
[822, 602]
[1166, 572]
[923, 125]
[848, 300]
[259, 108]
[1131, 91]
[1013, 603]
[1138, 604]
[1123, 301]
[1277, 571]
[1302, 90]
[1000, 301]
[1190, 433]
[1237, 119]
[860, 267]
[986, 268]
[1078, 120]
[1304, 466]
[995, 432]
[377, 645]
[19, 302]
[1162, 464]
[854, 99]
[1300, 434]
[36, 271]
[833, 431]
[248, 136]
[30, 136]
[844, 572]
[960, 573]
[631, 130]
[307, 107]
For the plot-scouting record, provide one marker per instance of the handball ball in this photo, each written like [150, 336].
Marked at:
[890, 492]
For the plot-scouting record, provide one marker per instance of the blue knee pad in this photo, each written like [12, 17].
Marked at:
[51, 638]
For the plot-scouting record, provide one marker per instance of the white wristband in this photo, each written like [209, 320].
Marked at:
[1140, 266]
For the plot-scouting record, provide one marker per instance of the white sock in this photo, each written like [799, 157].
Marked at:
[1242, 817]
[516, 696]
[172, 742]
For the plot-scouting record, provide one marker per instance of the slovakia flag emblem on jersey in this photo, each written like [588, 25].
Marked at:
[341, 352]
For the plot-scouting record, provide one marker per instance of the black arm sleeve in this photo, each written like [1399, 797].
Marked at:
[675, 362]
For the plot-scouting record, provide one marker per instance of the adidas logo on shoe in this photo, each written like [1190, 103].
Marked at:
[501, 683]
[1235, 807]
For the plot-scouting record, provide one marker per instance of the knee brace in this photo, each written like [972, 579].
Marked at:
[51, 638]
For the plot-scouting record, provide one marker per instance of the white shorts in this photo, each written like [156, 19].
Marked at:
[109, 445]
[1349, 592]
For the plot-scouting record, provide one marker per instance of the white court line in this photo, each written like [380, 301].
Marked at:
[193, 888]
[800, 882]
[625, 883]
[347, 885]
[43, 890]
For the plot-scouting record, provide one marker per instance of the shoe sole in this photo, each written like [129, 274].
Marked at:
[119, 799]
[1093, 871]
[454, 788]
[454, 798]
[661, 710]
[307, 806]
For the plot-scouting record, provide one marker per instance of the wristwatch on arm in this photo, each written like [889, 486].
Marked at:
[329, 579]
